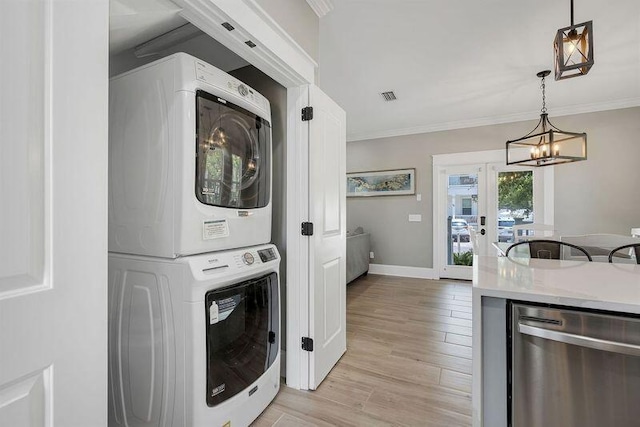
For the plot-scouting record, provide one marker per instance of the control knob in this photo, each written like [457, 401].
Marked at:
[247, 258]
[242, 89]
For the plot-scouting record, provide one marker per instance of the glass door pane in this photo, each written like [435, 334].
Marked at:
[232, 155]
[462, 213]
[515, 202]
[461, 216]
[242, 335]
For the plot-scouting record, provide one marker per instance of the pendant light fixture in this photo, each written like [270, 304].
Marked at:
[573, 48]
[546, 145]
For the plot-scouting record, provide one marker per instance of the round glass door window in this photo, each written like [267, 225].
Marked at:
[233, 157]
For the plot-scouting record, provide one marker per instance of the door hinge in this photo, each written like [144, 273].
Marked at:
[307, 344]
[272, 337]
[307, 114]
[307, 229]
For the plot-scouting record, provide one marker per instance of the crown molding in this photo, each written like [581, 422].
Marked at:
[321, 7]
[495, 120]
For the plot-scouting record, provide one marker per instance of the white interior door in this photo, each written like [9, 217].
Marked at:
[327, 211]
[53, 216]
[477, 201]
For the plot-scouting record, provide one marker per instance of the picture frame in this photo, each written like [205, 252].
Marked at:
[395, 182]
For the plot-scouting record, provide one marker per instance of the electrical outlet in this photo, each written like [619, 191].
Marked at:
[371, 255]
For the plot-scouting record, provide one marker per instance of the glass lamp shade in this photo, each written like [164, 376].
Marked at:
[573, 48]
[547, 145]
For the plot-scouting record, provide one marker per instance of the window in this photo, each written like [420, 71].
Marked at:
[466, 206]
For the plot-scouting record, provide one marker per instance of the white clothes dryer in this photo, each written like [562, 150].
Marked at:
[189, 160]
[193, 341]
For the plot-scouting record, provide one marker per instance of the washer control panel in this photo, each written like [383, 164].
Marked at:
[247, 258]
[227, 262]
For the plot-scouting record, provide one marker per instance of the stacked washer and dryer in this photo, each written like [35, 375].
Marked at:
[194, 304]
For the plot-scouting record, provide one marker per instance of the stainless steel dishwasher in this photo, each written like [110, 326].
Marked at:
[573, 368]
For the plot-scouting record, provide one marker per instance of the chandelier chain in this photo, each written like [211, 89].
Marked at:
[544, 98]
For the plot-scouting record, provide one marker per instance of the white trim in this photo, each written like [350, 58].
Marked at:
[468, 158]
[403, 271]
[283, 361]
[276, 53]
[548, 196]
[486, 121]
[321, 7]
[279, 30]
[297, 375]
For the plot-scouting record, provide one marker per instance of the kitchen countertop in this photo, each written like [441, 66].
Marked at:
[592, 285]
[603, 286]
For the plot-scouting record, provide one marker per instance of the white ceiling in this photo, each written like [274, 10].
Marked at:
[461, 63]
[133, 22]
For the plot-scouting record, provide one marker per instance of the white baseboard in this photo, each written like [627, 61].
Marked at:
[403, 271]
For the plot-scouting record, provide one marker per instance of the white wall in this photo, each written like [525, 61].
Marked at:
[597, 195]
[298, 19]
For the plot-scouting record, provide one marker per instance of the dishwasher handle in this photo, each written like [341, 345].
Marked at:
[580, 340]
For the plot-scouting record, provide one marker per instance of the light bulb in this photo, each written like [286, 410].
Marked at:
[217, 138]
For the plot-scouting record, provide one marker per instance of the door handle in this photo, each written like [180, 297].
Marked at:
[580, 340]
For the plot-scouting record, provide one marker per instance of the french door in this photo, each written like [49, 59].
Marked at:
[476, 204]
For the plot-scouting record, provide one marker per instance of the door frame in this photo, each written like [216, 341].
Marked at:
[297, 361]
[543, 194]
[282, 59]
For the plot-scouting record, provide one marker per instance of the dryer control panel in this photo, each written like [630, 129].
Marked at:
[211, 75]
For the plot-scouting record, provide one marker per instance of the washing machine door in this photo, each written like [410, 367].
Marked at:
[243, 329]
[233, 155]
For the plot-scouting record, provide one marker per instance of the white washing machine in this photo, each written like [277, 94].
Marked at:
[193, 341]
[189, 160]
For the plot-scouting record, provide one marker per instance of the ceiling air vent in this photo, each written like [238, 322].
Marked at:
[228, 26]
[389, 96]
[250, 44]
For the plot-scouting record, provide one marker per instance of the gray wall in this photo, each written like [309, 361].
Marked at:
[277, 96]
[599, 195]
[298, 19]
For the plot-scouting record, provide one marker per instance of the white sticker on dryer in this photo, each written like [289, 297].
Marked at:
[215, 229]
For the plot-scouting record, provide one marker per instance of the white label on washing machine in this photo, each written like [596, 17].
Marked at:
[215, 229]
[213, 313]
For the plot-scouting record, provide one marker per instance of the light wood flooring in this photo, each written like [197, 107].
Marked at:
[408, 360]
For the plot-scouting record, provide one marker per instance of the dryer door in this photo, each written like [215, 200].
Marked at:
[233, 155]
[242, 335]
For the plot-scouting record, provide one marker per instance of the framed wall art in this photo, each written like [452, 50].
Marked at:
[398, 182]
